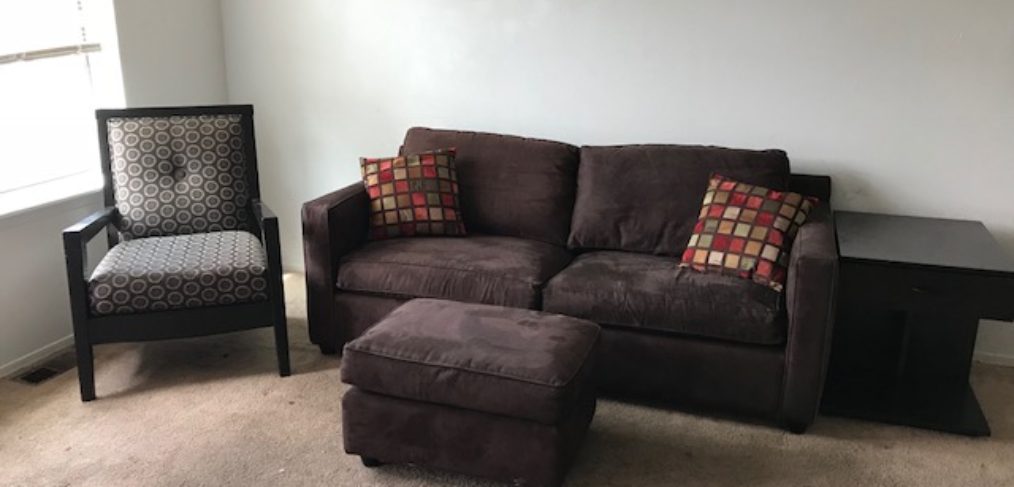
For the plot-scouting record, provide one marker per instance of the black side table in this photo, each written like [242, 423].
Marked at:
[911, 293]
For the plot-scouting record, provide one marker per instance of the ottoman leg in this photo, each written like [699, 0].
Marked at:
[370, 462]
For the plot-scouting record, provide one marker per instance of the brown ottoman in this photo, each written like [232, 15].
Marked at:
[495, 392]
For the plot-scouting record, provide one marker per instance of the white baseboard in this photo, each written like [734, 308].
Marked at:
[1004, 359]
[995, 343]
[39, 355]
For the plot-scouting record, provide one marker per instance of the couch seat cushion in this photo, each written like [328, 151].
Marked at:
[478, 268]
[184, 271]
[644, 291]
[518, 363]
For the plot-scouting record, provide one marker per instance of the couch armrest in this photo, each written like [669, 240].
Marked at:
[333, 225]
[810, 298]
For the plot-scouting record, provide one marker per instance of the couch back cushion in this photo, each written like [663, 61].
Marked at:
[646, 198]
[510, 186]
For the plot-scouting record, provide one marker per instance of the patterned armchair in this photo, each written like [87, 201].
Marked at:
[193, 250]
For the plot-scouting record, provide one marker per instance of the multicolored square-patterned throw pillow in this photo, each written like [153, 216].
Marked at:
[413, 195]
[746, 230]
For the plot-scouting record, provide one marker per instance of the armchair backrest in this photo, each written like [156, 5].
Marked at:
[179, 170]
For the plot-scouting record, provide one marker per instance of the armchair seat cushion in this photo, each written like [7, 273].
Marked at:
[185, 271]
[629, 290]
[485, 269]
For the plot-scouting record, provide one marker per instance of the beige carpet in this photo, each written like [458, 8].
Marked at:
[213, 412]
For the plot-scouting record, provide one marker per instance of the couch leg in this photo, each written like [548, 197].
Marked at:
[370, 462]
[328, 349]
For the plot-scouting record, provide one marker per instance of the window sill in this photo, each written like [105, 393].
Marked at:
[50, 193]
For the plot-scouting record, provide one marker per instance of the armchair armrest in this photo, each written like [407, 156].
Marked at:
[267, 223]
[77, 236]
[333, 225]
[811, 295]
[262, 213]
[75, 252]
[90, 225]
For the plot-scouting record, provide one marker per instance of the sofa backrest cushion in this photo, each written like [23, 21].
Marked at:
[510, 186]
[646, 198]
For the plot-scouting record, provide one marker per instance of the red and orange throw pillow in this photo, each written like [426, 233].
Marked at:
[413, 195]
[746, 230]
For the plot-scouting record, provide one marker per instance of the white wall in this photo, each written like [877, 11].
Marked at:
[907, 104]
[170, 53]
[36, 313]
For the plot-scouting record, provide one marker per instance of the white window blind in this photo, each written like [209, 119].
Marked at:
[47, 94]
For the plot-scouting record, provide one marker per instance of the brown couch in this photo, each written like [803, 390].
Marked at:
[596, 232]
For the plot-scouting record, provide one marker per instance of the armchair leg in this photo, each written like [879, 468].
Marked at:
[282, 342]
[794, 427]
[86, 371]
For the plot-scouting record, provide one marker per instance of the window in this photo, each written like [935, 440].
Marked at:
[55, 57]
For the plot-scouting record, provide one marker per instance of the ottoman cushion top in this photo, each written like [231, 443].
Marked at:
[515, 362]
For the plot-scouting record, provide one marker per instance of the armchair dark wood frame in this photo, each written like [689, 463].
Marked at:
[92, 330]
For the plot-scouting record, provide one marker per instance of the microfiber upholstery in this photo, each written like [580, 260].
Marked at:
[701, 342]
[179, 175]
[646, 198]
[646, 292]
[176, 272]
[513, 362]
[511, 186]
[491, 446]
[478, 268]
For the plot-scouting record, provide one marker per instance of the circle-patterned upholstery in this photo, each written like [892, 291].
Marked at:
[179, 175]
[184, 271]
